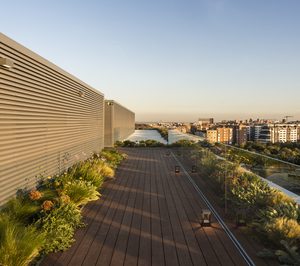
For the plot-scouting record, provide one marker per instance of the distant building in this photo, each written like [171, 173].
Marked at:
[256, 132]
[279, 133]
[204, 123]
[212, 135]
[241, 134]
[225, 135]
[220, 134]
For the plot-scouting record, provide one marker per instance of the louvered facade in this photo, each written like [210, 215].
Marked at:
[48, 119]
[119, 122]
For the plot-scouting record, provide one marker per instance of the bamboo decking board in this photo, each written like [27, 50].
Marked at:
[148, 215]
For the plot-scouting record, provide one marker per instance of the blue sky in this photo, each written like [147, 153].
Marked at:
[172, 60]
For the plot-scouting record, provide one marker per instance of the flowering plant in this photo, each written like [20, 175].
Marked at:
[35, 195]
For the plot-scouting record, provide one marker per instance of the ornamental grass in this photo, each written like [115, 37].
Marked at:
[44, 219]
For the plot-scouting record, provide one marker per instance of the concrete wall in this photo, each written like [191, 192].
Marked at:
[119, 122]
[48, 119]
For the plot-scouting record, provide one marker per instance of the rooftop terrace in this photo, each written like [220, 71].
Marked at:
[149, 216]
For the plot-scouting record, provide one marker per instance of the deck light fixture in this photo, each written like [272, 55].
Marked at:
[206, 217]
[194, 169]
[241, 218]
[6, 62]
[81, 93]
[177, 169]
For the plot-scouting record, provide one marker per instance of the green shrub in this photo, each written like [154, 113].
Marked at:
[48, 194]
[59, 226]
[19, 244]
[94, 172]
[250, 192]
[81, 192]
[183, 143]
[280, 205]
[283, 209]
[128, 143]
[103, 169]
[287, 254]
[113, 157]
[46, 219]
[272, 215]
[282, 228]
[118, 143]
[21, 210]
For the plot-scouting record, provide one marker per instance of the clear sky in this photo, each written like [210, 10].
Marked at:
[172, 59]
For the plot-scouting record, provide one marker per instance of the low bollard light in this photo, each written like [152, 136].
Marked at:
[194, 169]
[241, 218]
[177, 169]
[206, 217]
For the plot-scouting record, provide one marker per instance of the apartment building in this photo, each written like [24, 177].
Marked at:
[204, 123]
[256, 132]
[212, 135]
[241, 133]
[220, 134]
[279, 133]
[119, 122]
[225, 135]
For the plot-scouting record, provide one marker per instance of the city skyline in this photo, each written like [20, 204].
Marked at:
[192, 117]
[172, 60]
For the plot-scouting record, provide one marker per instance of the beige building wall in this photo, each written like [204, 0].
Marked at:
[212, 135]
[119, 122]
[225, 135]
[48, 119]
[222, 134]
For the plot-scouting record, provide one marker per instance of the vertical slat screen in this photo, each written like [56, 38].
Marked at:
[48, 119]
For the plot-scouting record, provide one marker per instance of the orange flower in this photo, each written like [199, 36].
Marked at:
[35, 195]
[47, 205]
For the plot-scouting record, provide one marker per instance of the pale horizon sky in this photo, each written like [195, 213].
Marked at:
[172, 59]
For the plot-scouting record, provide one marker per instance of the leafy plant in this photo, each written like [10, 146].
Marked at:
[104, 170]
[287, 255]
[283, 228]
[81, 192]
[112, 157]
[59, 226]
[285, 209]
[250, 192]
[46, 218]
[19, 244]
[94, 172]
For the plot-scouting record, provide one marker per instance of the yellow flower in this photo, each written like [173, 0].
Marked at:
[65, 198]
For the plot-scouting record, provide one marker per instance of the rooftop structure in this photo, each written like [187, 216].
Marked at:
[49, 119]
[119, 122]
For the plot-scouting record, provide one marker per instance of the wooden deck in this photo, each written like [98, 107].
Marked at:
[148, 216]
